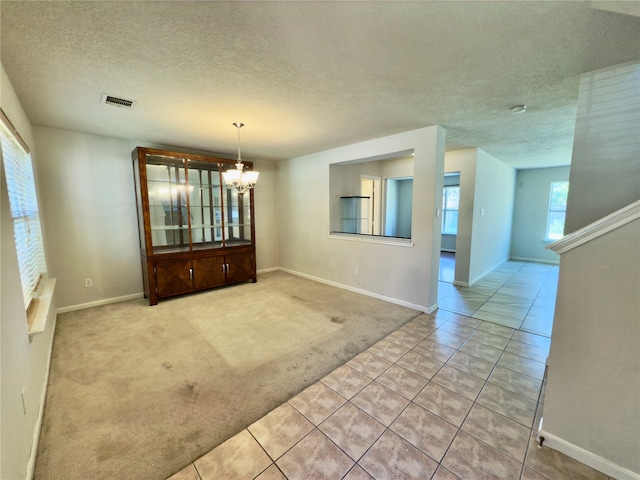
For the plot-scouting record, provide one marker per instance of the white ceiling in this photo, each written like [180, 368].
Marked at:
[308, 76]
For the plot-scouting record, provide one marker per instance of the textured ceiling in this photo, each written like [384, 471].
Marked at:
[307, 76]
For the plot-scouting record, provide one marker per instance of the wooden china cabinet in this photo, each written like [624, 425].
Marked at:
[195, 233]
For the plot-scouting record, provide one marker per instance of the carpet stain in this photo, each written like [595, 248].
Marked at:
[208, 397]
[193, 436]
[188, 393]
[337, 320]
[351, 349]
[111, 448]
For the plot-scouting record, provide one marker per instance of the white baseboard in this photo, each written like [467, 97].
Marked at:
[267, 270]
[486, 272]
[97, 303]
[397, 301]
[588, 458]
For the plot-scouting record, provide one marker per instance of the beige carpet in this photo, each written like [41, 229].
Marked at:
[138, 392]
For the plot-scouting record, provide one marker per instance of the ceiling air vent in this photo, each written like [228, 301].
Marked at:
[117, 101]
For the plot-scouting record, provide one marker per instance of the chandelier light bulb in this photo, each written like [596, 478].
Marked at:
[237, 178]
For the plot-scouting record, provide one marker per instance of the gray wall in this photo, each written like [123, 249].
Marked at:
[592, 401]
[399, 193]
[593, 392]
[605, 171]
[485, 218]
[88, 202]
[530, 213]
[492, 215]
[463, 161]
[400, 271]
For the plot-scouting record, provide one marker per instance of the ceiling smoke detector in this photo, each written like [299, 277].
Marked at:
[518, 109]
[117, 101]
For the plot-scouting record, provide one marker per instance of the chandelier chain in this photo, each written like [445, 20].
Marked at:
[239, 125]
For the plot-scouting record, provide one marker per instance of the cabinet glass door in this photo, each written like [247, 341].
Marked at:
[168, 216]
[205, 205]
[237, 218]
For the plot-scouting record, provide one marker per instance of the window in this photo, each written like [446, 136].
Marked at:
[557, 210]
[450, 205]
[24, 209]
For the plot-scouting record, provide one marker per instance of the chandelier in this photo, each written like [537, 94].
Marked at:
[237, 178]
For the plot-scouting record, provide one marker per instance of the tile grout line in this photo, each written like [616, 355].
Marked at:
[475, 402]
[421, 337]
[440, 322]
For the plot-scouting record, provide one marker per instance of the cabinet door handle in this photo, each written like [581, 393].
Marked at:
[224, 268]
[191, 274]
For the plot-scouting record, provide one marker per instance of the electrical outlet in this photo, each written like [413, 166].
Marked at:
[88, 282]
[356, 271]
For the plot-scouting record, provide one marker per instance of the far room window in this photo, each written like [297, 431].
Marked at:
[450, 205]
[557, 210]
[24, 209]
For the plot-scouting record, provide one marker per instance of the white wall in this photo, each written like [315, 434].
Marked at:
[88, 200]
[401, 202]
[397, 272]
[87, 193]
[267, 215]
[85, 188]
[487, 189]
[530, 213]
[592, 402]
[606, 176]
[23, 361]
[463, 161]
[592, 407]
[492, 215]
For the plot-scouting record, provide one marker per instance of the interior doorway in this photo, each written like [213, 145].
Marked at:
[370, 187]
[449, 226]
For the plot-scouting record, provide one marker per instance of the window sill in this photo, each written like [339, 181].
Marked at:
[37, 318]
[355, 237]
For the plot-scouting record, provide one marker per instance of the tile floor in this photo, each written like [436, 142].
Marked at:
[520, 295]
[447, 396]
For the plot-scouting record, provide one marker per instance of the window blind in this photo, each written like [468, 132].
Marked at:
[24, 210]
